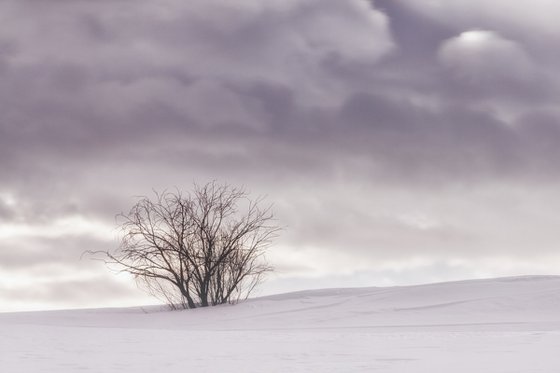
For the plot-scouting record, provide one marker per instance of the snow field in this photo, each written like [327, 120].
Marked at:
[500, 325]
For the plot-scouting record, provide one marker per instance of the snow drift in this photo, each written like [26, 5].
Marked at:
[480, 325]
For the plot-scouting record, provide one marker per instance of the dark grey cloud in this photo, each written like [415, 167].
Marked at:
[61, 250]
[381, 130]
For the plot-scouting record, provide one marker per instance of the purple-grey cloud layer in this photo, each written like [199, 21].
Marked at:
[398, 141]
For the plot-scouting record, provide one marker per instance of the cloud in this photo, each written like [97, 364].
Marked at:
[483, 57]
[522, 17]
[57, 293]
[381, 130]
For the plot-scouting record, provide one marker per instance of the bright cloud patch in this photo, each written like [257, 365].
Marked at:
[481, 57]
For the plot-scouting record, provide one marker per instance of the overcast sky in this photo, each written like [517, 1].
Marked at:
[401, 141]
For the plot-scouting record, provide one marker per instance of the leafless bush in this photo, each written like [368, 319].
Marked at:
[197, 249]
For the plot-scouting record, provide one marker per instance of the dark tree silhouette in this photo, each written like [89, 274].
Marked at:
[197, 249]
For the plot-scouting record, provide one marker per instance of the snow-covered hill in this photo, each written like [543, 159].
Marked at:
[497, 325]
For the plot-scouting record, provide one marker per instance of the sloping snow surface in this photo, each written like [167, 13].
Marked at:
[499, 325]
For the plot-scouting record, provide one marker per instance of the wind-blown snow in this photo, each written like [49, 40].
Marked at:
[498, 325]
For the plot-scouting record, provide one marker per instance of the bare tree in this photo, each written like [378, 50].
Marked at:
[197, 249]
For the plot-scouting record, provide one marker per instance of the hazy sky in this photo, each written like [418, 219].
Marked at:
[401, 141]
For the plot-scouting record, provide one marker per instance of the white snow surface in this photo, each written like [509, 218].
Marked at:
[497, 325]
